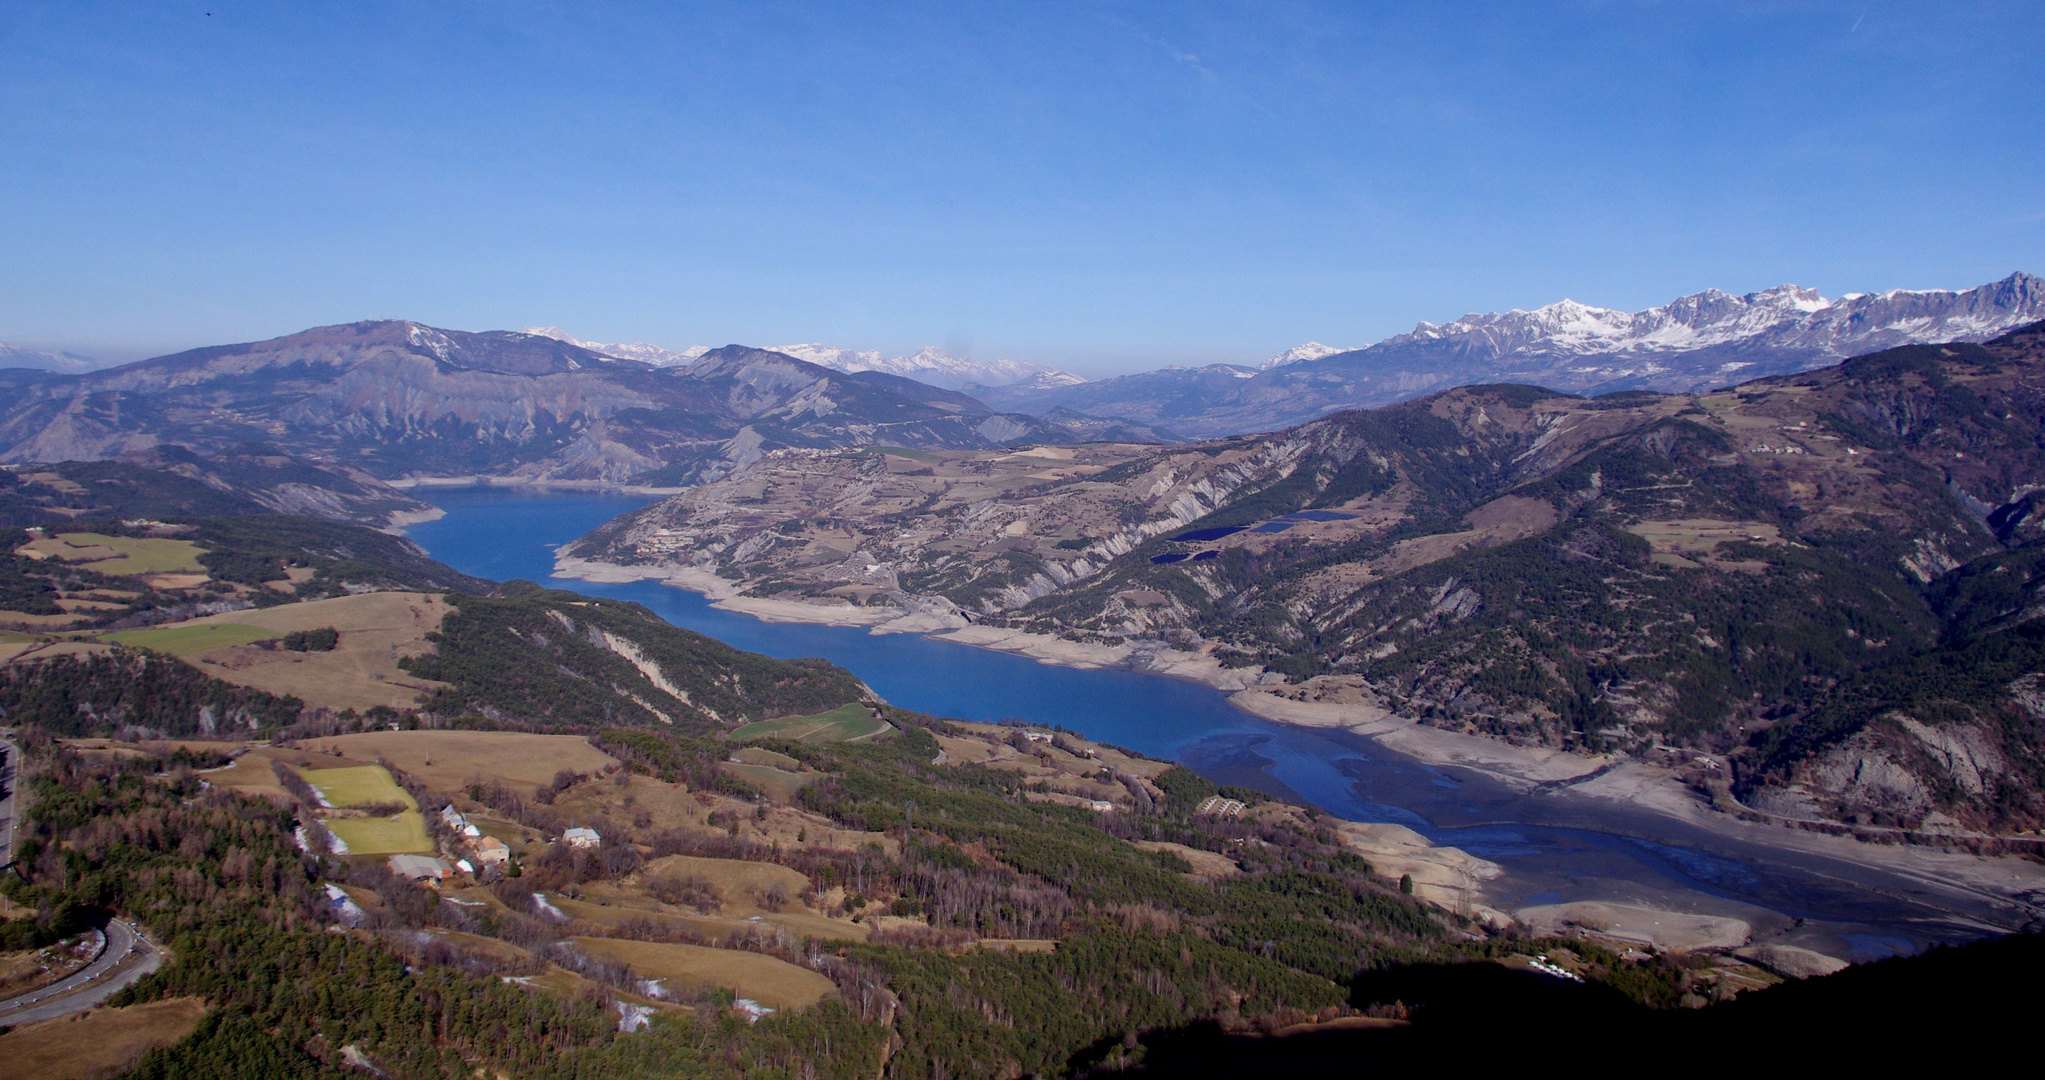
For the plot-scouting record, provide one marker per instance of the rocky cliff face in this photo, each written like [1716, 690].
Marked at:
[400, 400]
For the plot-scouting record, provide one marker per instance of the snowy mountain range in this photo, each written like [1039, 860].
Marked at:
[1788, 319]
[1696, 342]
[932, 365]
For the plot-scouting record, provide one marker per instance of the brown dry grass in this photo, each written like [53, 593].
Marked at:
[450, 760]
[377, 630]
[481, 946]
[777, 784]
[775, 983]
[1036, 945]
[740, 883]
[98, 1043]
[1206, 864]
[252, 774]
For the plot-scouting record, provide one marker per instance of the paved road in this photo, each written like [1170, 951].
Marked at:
[127, 958]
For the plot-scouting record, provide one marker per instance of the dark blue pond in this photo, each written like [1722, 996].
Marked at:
[1552, 846]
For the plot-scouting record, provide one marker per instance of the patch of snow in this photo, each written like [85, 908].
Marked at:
[750, 1009]
[931, 365]
[344, 905]
[632, 1017]
[636, 350]
[1312, 350]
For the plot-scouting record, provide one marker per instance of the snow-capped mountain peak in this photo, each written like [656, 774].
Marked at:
[636, 350]
[834, 358]
[1312, 350]
[931, 365]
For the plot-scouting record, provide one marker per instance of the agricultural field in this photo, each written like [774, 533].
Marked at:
[451, 760]
[98, 1043]
[669, 806]
[383, 836]
[744, 892]
[366, 785]
[842, 724]
[358, 785]
[779, 785]
[188, 639]
[122, 556]
[774, 983]
[361, 672]
[1068, 775]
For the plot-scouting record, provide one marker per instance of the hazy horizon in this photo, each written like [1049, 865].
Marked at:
[1101, 188]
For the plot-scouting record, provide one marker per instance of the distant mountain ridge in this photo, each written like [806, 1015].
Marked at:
[69, 363]
[931, 365]
[404, 401]
[637, 350]
[934, 366]
[1696, 342]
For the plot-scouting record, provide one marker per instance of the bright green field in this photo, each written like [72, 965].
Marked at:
[186, 640]
[362, 785]
[841, 724]
[403, 834]
[358, 785]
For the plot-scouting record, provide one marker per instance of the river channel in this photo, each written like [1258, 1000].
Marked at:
[1554, 848]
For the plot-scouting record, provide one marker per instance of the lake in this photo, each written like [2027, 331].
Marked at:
[1554, 847]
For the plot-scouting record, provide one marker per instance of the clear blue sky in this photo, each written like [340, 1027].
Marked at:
[1101, 186]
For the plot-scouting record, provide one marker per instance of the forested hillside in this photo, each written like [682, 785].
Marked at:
[543, 656]
[1304, 941]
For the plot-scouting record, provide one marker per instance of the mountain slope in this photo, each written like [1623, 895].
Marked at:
[1720, 571]
[1695, 343]
[400, 400]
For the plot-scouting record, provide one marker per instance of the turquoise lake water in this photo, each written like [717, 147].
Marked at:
[1553, 847]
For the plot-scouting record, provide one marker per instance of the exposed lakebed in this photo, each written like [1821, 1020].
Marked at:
[1554, 847]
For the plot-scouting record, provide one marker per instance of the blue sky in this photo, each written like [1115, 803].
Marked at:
[1100, 186]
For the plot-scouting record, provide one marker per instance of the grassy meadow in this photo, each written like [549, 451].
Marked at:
[842, 724]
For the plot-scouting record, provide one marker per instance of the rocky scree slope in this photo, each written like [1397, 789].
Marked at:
[1695, 343]
[1790, 574]
[397, 400]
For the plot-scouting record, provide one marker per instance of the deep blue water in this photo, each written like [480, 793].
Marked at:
[1554, 847]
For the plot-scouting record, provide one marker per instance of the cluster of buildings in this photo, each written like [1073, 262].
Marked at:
[1220, 807]
[478, 850]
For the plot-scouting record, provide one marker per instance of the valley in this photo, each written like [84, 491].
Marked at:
[651, 836]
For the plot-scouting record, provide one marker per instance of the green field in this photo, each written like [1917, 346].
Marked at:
[359, 785]
[363, 785]
[842, 724]
[187, 640]
[400, 835]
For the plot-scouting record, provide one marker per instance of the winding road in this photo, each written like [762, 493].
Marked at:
[128, 956]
